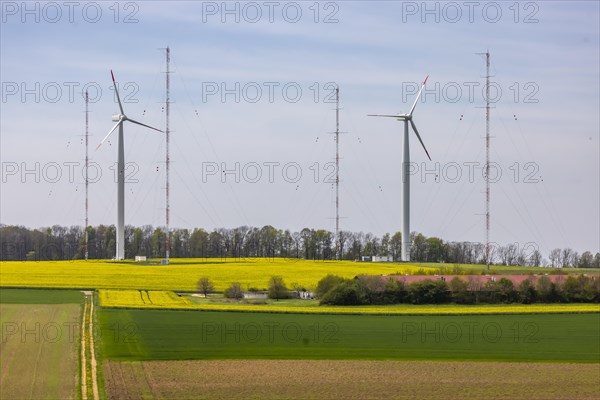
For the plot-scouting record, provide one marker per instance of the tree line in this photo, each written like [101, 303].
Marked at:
[67, 243]
[368, 290]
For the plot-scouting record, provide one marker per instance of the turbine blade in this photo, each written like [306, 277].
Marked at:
[139, 123]
[384, 115]
[419, 137]
[117, 92]
[418, 96]
[111, 131]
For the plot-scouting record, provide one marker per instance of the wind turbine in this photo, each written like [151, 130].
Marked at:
[407, 118]
[120, 119]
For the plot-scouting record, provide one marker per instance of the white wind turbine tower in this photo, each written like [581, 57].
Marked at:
[120, 119]
[405, 171]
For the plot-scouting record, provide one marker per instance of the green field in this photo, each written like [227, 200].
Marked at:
[40, 342]
[183, 335]
[40, 345]
[183, 274]
[40, 296]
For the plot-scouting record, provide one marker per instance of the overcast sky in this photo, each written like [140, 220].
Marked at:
[253, 94]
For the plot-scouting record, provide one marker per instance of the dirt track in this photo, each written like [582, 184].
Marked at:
[87, 345]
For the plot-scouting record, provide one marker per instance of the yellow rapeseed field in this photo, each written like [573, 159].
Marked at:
[141, 299]
[169, 300]
[166, 299]
[182, 274]
[125, 298]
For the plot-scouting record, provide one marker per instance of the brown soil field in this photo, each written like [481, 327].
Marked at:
[39, 356]
[310, 379]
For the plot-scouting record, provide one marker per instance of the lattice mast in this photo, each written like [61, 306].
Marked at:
[167, 157]
[487, 160]
[86, 250]
[337, 174]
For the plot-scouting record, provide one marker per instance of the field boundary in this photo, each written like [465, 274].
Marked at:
[87, 346]
[365, 313]
[226, 335]
[168, 300]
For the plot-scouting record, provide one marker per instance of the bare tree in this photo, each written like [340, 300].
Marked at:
[396, 245]
[535, 259]
[205, 286]
[344, 236]
[555, 258]
[522, 258]
[567, 257]
[596, 263]
[512, 251]
[574, 260]
[297, 238]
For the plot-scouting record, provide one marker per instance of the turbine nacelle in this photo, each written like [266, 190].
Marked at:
[120, 118]
[407, 118]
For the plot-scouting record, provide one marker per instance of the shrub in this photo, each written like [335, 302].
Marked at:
[326, 284]
[234, 291]
[527, 292]
[428, 292]
[547, 290]
[591, 289]
[346, 293]
[277, 288]
[394, 292]
[581, 289]
[374, 289]
[460, 291]
[505, 291]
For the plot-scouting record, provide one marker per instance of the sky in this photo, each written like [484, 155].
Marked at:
[253, 111]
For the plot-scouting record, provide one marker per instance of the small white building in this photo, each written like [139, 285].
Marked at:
[306, 295]
[256, 295]
[382, 259]
[140, 258]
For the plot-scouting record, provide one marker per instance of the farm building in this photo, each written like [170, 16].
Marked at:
[255, 295]
[376, 259]
[382, 259]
